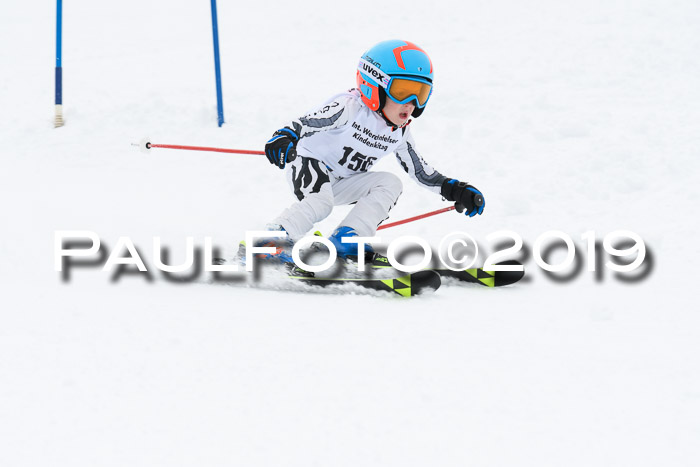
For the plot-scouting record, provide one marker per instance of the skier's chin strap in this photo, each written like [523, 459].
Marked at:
[392, 124]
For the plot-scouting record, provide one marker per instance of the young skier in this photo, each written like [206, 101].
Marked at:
[329, 153]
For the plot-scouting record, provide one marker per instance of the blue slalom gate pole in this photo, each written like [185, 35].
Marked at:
[217, 64]
[58, 121]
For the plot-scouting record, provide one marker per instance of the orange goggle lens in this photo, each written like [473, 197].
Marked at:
[403, 90]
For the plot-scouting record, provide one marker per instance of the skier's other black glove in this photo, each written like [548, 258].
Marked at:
[281, 148]
[466, 197]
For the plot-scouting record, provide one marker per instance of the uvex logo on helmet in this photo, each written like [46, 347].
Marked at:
[374, 72]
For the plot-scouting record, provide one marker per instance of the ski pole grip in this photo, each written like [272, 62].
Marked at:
[478, 200]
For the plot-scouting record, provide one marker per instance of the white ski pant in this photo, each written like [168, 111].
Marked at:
[318, 191]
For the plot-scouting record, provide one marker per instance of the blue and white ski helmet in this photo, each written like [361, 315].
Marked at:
[398, 69]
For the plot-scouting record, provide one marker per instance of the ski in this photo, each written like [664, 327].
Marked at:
[479, 276]
[408, 285]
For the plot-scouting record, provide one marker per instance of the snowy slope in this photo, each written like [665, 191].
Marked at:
[571, 116]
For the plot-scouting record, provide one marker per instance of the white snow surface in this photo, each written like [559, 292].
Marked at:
[568, 115]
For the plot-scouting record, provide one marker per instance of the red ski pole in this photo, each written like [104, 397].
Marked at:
[203, 148]
[415, 218]
[146, 145]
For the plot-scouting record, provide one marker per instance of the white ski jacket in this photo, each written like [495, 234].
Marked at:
[348, 137]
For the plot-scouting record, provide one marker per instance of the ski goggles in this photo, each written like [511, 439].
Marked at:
[403, 90]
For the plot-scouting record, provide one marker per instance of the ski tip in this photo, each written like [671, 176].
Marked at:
[510, 262]
[430, 279]
[502, 278]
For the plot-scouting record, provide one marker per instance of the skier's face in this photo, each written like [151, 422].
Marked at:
[398, 114]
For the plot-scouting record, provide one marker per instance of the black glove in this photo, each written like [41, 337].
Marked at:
[281, 148]
[466, 197]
